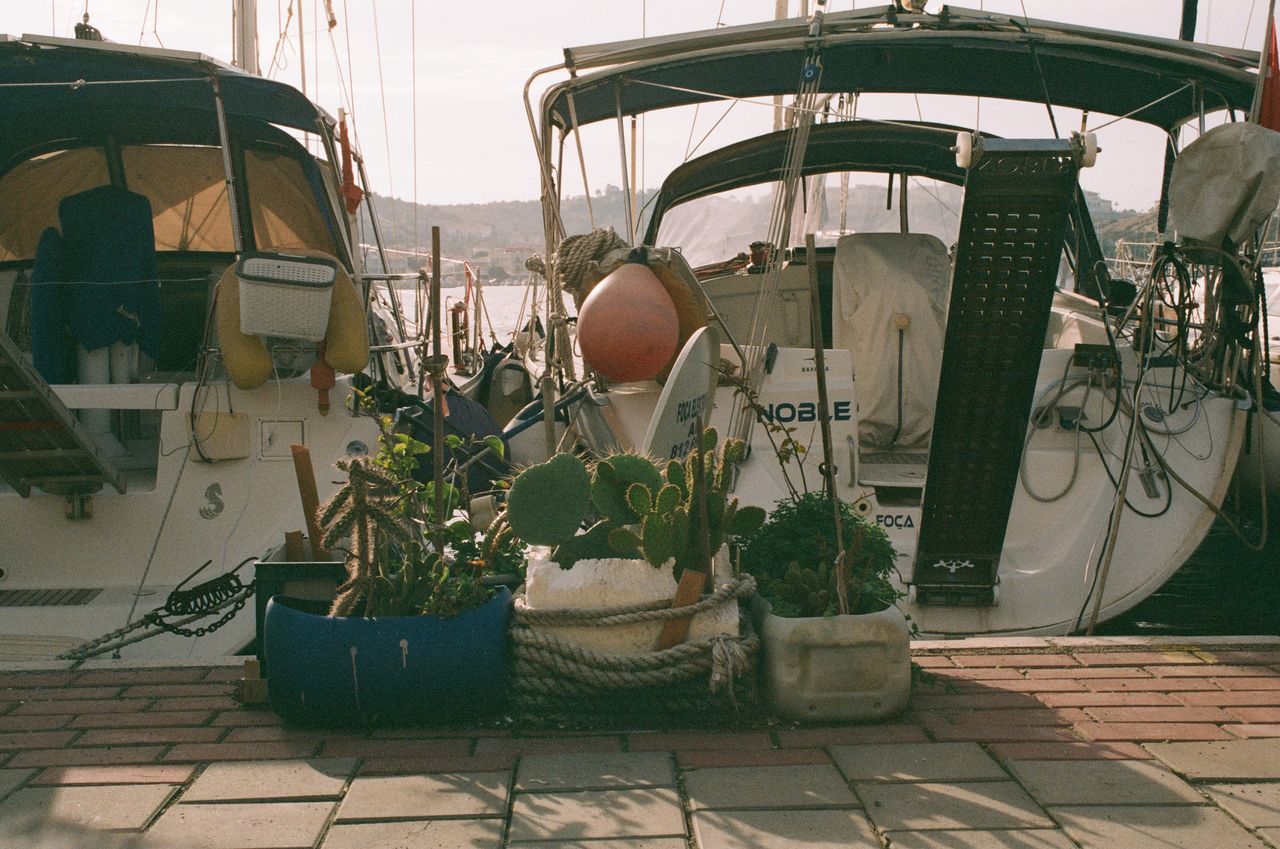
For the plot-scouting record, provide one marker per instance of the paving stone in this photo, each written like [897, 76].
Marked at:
[113, 808]
[421, 766]
[1069, 751]
[648, 812]
[11, 779]
[89, 756]
[1269, 729]
[750, 757]
[1271, 835]
[850, 734]
[916, 762]
[995, 839]
[978, 805]
[813, 786]
[625, 843]
[268, 825]
[403, 797]
[1226, 760]
[594, 771]
[1133, 827]
[1255, 805]
[1150, 731]
[688, 741]
[546, 745]
[420, 834]
[142, 774]
[272, 781]
[783, 830]
[1103, 783]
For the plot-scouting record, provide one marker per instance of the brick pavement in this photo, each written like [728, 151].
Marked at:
[1053, 743]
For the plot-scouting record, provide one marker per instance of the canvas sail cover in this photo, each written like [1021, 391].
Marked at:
[1225, 184]
[881, 282]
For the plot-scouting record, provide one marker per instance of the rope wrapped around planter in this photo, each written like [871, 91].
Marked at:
[548, 672]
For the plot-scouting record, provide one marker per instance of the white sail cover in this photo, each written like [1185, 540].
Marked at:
[881, 282]
[1225, 183]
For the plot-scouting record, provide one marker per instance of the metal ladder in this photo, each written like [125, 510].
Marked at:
[42, 444]
[1017, 201]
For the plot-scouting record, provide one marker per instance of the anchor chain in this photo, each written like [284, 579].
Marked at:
[206, 599]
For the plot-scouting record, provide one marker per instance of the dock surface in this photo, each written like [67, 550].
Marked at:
[1107, 743]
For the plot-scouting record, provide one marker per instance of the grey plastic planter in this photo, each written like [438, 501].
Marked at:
[823, 668]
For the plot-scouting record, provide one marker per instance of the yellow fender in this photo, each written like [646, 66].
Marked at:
[246, 358]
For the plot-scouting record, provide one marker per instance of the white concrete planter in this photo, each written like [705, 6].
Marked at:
[823, 668]
[602, 584]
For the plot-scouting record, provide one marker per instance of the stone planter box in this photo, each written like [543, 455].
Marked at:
[834, 668]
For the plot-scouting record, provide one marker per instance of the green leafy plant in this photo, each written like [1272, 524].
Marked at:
[793, 557]
[400, 561]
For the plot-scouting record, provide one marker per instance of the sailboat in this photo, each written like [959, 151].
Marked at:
[1040, 452]
[185, 300]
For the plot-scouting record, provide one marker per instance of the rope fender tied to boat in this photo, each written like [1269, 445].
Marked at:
[577, 256]
[545, 669]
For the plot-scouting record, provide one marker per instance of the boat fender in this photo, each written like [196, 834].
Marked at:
[246, 358]
[680, 283]
[628, 327]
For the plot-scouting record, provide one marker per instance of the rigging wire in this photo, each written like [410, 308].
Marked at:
[386, 127]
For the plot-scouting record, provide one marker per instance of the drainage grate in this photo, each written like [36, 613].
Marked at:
[47, 598]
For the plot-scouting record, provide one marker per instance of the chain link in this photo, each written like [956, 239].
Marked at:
[120, 637]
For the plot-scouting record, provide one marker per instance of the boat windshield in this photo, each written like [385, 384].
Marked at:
[717, 227]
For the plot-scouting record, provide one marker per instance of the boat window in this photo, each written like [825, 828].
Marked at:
[31, 192]
[717, 227]
[186, 185]
[283, 202]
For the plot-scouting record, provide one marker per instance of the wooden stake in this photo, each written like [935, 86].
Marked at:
[295, 547]
[310, 498]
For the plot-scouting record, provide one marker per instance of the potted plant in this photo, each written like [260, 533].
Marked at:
[417, 629]
[835, 645]
[609, 593]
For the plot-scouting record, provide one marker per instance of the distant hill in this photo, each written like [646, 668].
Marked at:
[497, 238]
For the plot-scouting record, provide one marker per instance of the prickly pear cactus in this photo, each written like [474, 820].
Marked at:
[613, 476]
[548, 502]
[671, 515]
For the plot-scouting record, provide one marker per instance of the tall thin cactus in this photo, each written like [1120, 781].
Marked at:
[364, 510]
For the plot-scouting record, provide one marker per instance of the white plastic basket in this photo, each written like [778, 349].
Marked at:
[285, 295]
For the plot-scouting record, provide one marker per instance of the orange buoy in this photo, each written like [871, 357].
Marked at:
[628, 326]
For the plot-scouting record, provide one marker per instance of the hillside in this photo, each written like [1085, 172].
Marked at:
[496, 238]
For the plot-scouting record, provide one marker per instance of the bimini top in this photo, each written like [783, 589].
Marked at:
[42, 78]
[958, 52]
[915, 148]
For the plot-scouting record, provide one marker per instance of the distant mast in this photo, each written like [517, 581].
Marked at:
[244, 35]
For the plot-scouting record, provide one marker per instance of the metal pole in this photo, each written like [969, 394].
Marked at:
[622, 152]
[824, 417]
[436, 365]
[224, 139]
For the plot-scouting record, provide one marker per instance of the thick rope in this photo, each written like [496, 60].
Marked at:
[545, 669]
[578, 255]
[649, 611]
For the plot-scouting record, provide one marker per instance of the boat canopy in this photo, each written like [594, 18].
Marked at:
[1158, 81]
[80, 114]
[914, 148]
[70, 82]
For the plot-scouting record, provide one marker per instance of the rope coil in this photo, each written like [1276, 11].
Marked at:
[546, 670]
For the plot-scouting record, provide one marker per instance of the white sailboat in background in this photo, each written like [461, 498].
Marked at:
[1040, 457]
[133, 179]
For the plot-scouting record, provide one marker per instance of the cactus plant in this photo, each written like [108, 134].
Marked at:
[671, 518]
[547, 502]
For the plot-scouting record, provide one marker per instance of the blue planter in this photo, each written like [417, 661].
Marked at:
[327, 670]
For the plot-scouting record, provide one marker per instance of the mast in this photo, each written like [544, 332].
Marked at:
[244, 36]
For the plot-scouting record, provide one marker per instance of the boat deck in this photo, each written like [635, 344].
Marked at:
[1029, 743]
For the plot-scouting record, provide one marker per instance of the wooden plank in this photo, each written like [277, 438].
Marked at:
[310, 497]
[689, 590]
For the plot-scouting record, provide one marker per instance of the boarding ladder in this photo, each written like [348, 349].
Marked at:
[42, 445]
[1017, 202]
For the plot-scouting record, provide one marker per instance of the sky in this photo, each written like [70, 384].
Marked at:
[436, 88]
